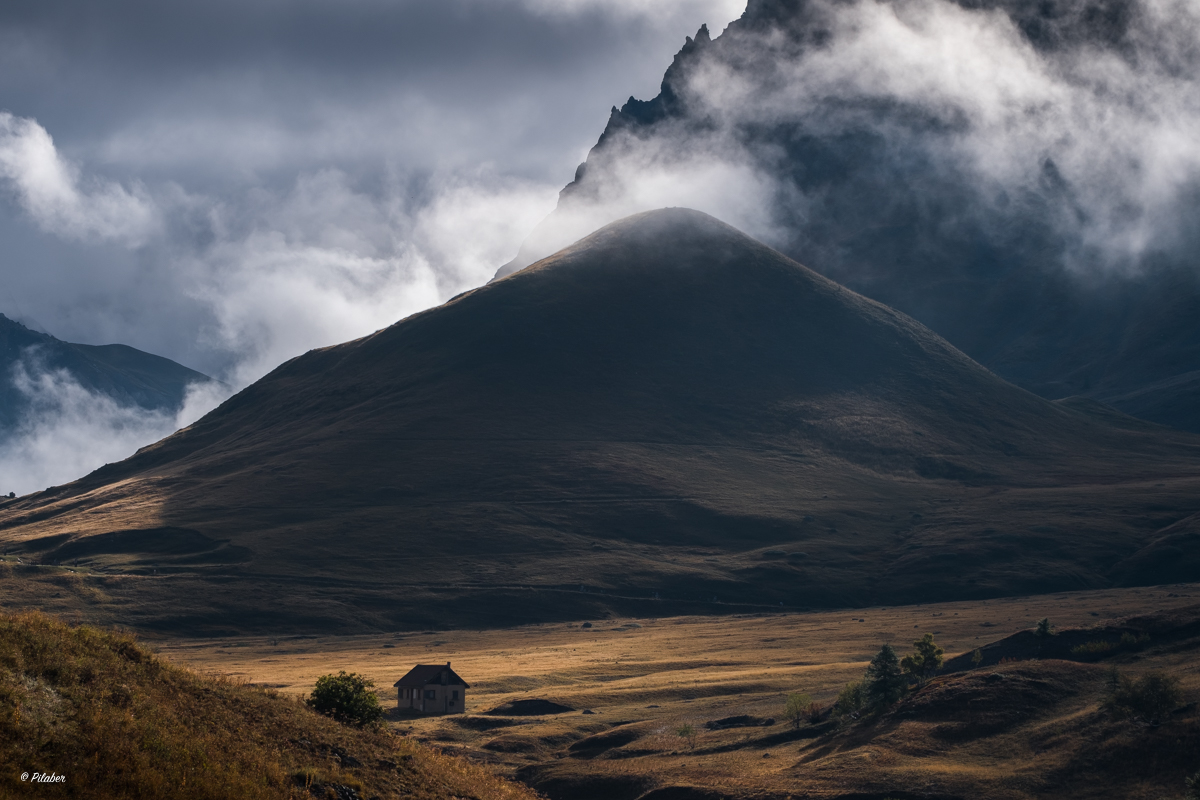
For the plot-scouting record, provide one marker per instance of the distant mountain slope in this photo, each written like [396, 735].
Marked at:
[666, 408]
[966, 181]
[127, 375]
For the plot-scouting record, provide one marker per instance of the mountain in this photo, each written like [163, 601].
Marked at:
[127, 375]
[998, 170]
[666, 416]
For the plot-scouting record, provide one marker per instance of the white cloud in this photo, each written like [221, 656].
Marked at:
[715, 12]
[325, 263]
[959, 89]
[48, 188]
[70, 431]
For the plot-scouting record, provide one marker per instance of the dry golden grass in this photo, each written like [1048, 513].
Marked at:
[645, 678]
[118, 722]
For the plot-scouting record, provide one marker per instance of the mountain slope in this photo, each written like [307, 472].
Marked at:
[122, 373]
[946, 158]
[665, 408]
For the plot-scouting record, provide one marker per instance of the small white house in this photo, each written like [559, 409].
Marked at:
[432, 689]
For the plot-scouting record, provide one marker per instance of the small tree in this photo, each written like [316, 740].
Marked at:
[850, 700]
[1044, 628]
[924, 661]
[796, 709]
[884, 679]
[689, 733]
[347, 698]
[1193, 787]
[976, 657]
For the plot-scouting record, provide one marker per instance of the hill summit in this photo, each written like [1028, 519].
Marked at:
[666, 412]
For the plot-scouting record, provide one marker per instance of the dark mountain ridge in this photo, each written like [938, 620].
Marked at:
[1006, 271]
[128, 376]
[665, 414]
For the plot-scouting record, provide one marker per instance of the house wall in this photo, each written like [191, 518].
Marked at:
[442, 702]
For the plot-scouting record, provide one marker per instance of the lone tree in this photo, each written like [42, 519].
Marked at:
[1044, 628]
[347, 698]
[884, 679]
[797, 708]
[924, 661]
[689, 733]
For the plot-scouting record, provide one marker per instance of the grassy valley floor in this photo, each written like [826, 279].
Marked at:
[1017, 729]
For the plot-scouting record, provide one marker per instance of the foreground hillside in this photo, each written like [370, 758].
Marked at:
[117, 722]
[666, 417]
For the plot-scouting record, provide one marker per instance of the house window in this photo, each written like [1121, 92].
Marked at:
[454, 695]
[430, 694]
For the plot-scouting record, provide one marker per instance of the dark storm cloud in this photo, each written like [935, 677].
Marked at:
[230, 184]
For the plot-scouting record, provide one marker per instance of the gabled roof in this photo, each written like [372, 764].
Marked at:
[424, 674]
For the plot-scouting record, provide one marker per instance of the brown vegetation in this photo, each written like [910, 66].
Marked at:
[116, 721]
[1022, 729]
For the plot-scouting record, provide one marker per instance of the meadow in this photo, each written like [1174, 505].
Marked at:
[1020, 729]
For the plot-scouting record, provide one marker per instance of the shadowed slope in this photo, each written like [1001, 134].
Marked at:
[122, 373]
[665, 407]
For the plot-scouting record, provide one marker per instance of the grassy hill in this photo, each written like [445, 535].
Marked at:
[666, 417]
[101, 710]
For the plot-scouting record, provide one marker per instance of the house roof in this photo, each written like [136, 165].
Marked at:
[424, 674]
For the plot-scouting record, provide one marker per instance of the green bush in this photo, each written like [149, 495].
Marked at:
[348, 698]
[1131, 642]
[1100, 648]
[850, 700]
[1094, 649]
[1193, 787]
[1151, 697]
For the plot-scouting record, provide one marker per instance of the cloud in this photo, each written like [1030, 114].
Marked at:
[713, 11]
[217, 184]
[48, 189]
[269, 273]
[70, 431]
[864, 106]
[328, 263]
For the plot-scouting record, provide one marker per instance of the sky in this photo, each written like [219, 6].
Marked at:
[230, 184]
